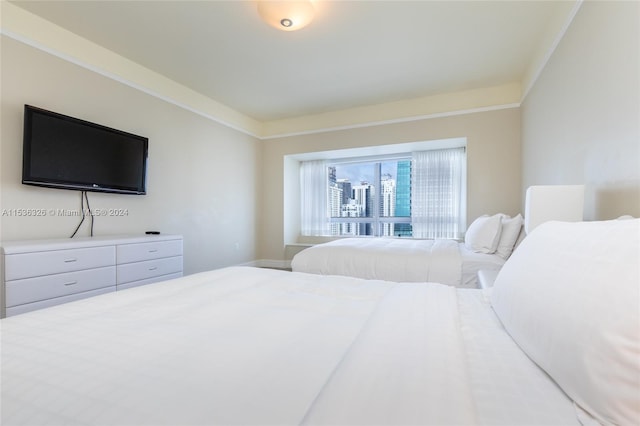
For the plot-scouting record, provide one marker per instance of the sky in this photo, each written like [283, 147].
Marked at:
[363, 171]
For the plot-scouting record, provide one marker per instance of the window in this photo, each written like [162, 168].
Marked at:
[420, 195]
[363, 198]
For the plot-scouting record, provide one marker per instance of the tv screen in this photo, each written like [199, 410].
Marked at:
[65, 152]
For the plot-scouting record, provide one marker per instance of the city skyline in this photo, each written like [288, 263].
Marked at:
[353, 191]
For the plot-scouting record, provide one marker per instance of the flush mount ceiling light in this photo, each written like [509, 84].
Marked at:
[286, 15]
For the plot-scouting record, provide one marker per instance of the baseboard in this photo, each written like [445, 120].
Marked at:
[269, 263]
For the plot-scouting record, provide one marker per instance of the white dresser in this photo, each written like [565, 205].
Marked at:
[37, 274]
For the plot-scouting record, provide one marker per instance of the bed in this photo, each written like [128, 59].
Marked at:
[489, 242]
[251, 346]
[395, 259]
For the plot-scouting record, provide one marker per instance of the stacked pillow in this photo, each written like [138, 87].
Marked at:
[494, 234]
[511, 230]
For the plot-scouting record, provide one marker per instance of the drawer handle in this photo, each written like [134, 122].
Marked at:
[153, 250]
[153, 268]
[71, 283]
[70, 260]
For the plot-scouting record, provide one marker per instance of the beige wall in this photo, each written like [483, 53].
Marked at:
[580, 122]
[202, 177]
[493, 166]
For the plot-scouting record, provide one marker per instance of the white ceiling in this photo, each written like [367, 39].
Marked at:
[355, 53]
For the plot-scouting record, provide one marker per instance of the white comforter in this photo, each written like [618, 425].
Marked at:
[240, 346]
[255, 347]
[399, 260]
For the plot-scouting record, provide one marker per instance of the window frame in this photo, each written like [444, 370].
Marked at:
[292, 207]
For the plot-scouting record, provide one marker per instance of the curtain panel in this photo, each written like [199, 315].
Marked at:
[314, 187]
[437, 196]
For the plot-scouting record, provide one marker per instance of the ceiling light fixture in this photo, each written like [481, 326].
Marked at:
[286, 15]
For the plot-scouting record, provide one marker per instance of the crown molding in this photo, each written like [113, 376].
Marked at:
[27, 28]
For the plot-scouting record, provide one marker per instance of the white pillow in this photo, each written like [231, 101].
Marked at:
[484, 234]
[569, 297]
[521, 236]
[510, 230]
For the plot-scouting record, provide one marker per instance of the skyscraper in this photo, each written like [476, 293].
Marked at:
[335, 205]
[350, 209]
[363, 195]
[388, 203]
[346, 189]
[403, 197]
[332, 175]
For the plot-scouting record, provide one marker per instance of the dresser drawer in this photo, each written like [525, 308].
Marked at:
[19, 292]
[28, 307]
[149, 281]
[151, 268]
[35, 264]
[127, 253]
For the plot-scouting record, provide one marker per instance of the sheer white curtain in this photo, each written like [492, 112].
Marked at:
[438, 195]
[313, 185]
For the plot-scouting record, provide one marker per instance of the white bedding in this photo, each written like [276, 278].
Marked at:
[473, 262]
[396, 259]
[256, 346]
[507, 388]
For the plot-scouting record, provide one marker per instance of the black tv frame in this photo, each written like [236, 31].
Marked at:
[28, 177]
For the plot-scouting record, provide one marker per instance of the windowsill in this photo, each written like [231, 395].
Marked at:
[312, 240]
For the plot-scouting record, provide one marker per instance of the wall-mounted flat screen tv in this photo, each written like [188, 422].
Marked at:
[68, 153]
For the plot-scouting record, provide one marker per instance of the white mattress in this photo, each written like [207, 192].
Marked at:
[397, 259]
[256, 346]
